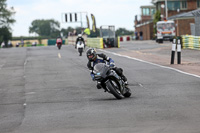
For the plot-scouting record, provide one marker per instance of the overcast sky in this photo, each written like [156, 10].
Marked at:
[120, 13]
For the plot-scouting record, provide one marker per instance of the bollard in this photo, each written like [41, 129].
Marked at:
[173, 51]
[179, 51]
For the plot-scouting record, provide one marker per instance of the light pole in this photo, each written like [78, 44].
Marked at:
[166, 10]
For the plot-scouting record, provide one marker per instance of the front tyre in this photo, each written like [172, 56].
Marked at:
[114, 89]
[128, 92]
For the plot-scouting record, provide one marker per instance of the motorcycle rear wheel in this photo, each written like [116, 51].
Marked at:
[80, 53]
[59, 47]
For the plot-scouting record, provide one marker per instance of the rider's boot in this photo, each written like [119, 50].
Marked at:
[125, 80]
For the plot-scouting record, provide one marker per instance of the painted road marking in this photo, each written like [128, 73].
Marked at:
[25, 62]
[197, 76]
[59, 55]
[30, 93]
[1, 66]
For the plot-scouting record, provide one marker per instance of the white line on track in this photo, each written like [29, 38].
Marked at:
[1, 66]
[25, 62]
[197, 76]
[59, 55]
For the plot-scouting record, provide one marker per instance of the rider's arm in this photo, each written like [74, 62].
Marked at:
[76, 40]
[90, 67]
[82, 39]
[108, 59]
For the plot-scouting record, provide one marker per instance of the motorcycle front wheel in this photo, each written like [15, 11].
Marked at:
[128, 93]
[114, 89]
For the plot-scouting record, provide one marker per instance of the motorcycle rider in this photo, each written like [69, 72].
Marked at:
[80, 38]
[94, 58]
[59, 41]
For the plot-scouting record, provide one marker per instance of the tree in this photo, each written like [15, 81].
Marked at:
[46, 28]
[5, 21]
[5, 35]
[123, 31]
[65, 32]
[155, 20]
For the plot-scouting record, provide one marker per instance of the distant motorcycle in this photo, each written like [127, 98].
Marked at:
[110, 81]
[80, 47]
[17, 45]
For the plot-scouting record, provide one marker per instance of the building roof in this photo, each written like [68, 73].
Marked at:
[148, 6]
[155, 1]
[186, 15]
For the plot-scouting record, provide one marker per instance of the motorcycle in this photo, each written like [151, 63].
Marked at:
[110, 81]
[59, 45]
[80, 47]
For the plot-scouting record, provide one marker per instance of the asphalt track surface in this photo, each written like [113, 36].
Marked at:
[46, 90]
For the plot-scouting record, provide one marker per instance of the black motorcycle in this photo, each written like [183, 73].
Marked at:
[108, 79]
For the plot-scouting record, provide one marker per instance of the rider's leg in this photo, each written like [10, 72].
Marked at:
[119, 71]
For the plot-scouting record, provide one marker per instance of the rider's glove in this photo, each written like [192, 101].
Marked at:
[92, 75]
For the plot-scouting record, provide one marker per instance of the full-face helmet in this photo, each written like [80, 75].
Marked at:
[91, 54]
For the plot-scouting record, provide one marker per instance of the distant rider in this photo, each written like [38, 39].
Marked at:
[80, 38]
[94, 58]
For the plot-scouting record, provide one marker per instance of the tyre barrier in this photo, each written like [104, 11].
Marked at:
[191, 42]
[99, 43]
[28, 43]
[125, 38]
[95, 42]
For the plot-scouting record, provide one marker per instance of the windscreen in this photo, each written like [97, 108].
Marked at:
[165, 27]
[99, 67]
[79, 42]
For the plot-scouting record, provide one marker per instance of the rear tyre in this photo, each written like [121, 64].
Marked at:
[80, 50]
[59, 46]
[114, 89]
[160, 41]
